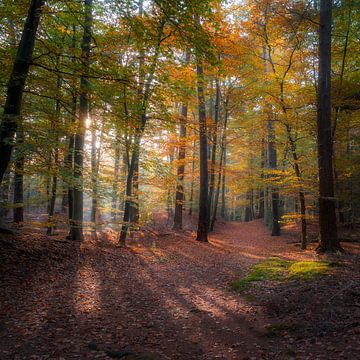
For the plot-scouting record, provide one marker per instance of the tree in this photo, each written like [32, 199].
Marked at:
[15, 88]
[78, 195]
[203, 221]
[180, 195]
[329, 241]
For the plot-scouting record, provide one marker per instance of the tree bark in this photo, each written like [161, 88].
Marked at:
[275, 228]
[55, 130]
[78, 195]
[16, 84]
[191, 198]
[220, 174]
[115, 189]
[203, 220]
[329, 241]
[18, 213]
[180, 195]
[214, 148]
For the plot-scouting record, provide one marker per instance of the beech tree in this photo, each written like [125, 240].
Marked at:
[327, 211]
[16, 84]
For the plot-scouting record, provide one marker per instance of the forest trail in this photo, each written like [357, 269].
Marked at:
[166, 296]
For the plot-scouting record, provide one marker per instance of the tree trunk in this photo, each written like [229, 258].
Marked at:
[203, 221]
[4, 196]
[191, 198]
[214, 148]
[179, 197]
[134, 166]
[55, 130]
[16, 84]
[275, 228]
[220, 174]
[301, 192]
[94, 180]
[115, 189]
[78, 195]
[53, 194]
[329, 241]
[129, 188]
[261, 213]
[71, 146]
[223, 182]
[18, 214]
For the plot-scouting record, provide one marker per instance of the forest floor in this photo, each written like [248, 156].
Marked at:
[167, 296]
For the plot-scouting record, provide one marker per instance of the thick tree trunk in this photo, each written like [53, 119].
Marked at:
[78, 195]
[203, 221]
[16, 84]
[329, 241]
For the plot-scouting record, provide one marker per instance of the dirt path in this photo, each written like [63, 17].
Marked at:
[167, 297]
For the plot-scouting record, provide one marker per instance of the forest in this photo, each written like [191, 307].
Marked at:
[179, 179]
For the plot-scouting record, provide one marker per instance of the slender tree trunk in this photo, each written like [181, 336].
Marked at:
[223, 182]
[180, 195]
[275, 228]
[301, 192]
[71, 146]
[134, 166]
[93, 181]
[134, 212]
[4, 196]
[53, 193]
[115, 189]
[248, 217]
[54, 170]
[220, 174]
[78, 195]
[261, 213]
[329, 241]
[18, 214]
[129, 187]
[203, 221]
[191, 198]
[214, 148]
[16, 84]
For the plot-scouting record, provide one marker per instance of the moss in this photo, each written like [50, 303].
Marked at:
[307, 270]
[277, 269]
[241, 285]
[270, 269]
